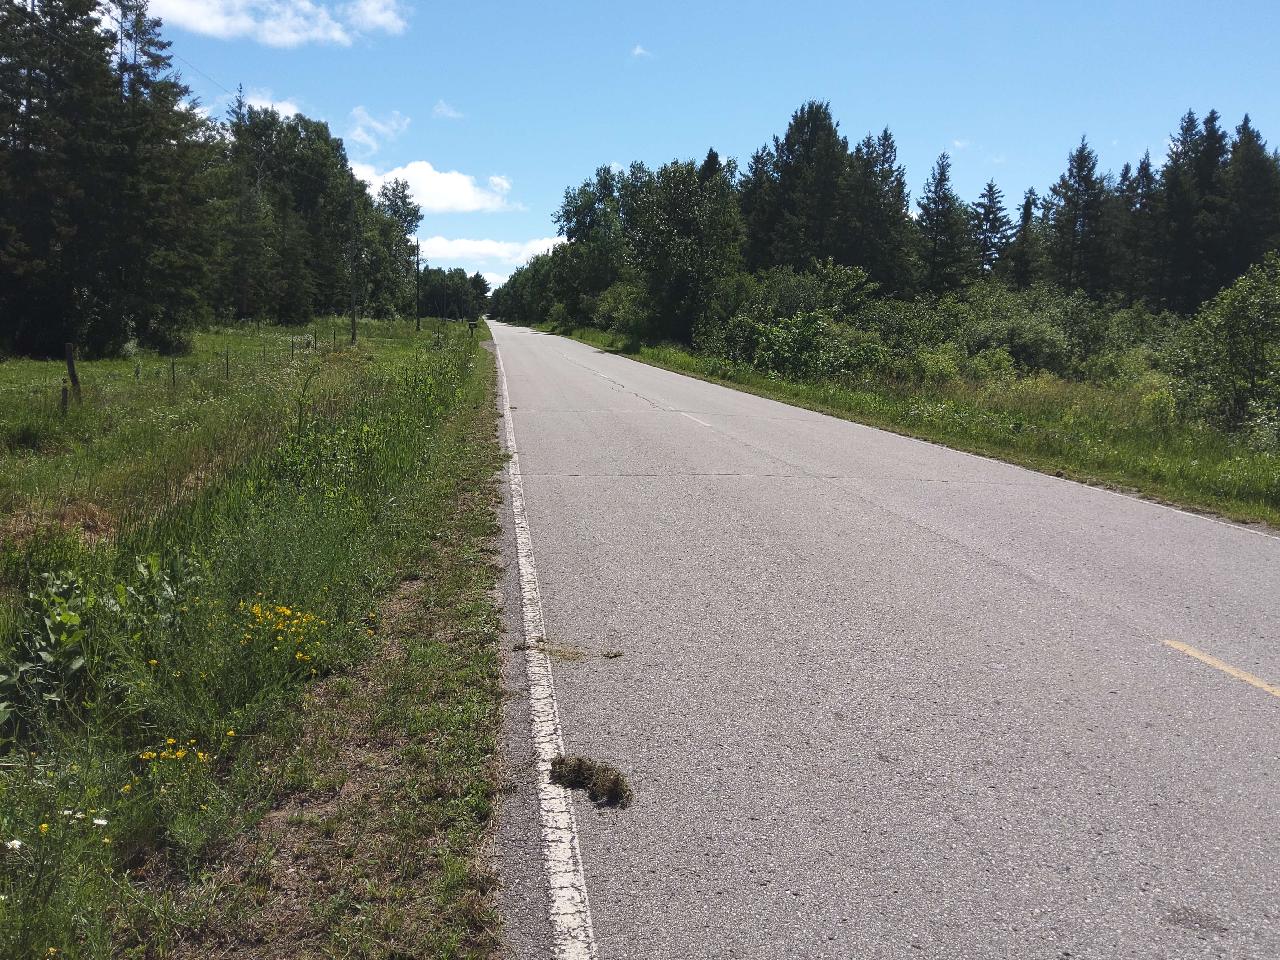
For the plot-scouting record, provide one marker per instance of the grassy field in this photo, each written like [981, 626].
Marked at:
[1122, 437]
[248, 666]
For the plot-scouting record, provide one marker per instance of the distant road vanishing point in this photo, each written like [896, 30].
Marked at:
[877, 698]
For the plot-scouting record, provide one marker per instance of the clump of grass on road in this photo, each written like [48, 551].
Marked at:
[1124, 437]
[167, 686]
[605, 784]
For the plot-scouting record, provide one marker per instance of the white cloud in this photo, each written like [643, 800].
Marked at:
[962, 144]
[511, 253]
[383, 15]
[370, 132]
[445, 111]
[283, 23]
[442, 191]
[262, 99]
[495, 279]
[639, 51]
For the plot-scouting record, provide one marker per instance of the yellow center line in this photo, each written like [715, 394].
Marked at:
[1225, 667]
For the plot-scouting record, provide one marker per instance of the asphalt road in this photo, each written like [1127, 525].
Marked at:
[880, 699]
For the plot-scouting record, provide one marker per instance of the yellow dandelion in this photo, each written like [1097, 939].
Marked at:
[231, 732]
[44, 828]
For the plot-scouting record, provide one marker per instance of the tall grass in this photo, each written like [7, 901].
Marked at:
[141, 670]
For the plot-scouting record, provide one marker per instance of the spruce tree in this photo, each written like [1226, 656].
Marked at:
[1181, 283]
[992, 227]
[760, 208]
[1023, 262]
[1077, 234]
[1252, 182]
[948, 255]
[876, 232]
[809, 162]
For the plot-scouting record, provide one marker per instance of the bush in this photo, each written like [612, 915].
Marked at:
[1227, 358]
[1117, 367]
[991, 364]
[1158, 407]
[1032, 342]
[906, 325]
[941, 364]
[558, 317]
[624, 308]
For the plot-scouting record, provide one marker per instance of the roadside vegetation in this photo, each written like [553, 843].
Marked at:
[290, 600]
[1120, 329]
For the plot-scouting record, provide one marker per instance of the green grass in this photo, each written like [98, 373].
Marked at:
[1122, 437]
[185, 672]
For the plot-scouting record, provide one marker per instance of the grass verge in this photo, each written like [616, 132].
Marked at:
[261, 722]
[1093, 434]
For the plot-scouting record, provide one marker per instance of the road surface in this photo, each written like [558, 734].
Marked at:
[877, 698]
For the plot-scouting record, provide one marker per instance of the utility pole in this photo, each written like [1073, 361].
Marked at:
[417, 284]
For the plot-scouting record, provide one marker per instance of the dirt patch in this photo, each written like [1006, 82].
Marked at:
[87, 521]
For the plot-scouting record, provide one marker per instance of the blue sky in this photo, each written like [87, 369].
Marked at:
[491, 109]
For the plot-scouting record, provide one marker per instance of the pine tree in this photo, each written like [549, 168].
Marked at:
[1023, 262]
[1252, 182]
[1213, 224]
[1143, 235]
[1181, 284]
[1077, 235]
[759, 205]
[993, 229]
[809, 163]
[876, 229]
[948, 254]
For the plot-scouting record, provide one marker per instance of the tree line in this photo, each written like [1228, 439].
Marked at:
[127, 215]
[1099, 271]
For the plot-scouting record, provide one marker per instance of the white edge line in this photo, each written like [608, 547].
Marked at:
[570, 911]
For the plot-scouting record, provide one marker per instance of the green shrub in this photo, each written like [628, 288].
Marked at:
[941, 364]
[1227, 358]
[991, 364]
[1158, 407]
[624, 308]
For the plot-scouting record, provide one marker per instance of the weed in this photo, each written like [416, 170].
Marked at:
[153, 677]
